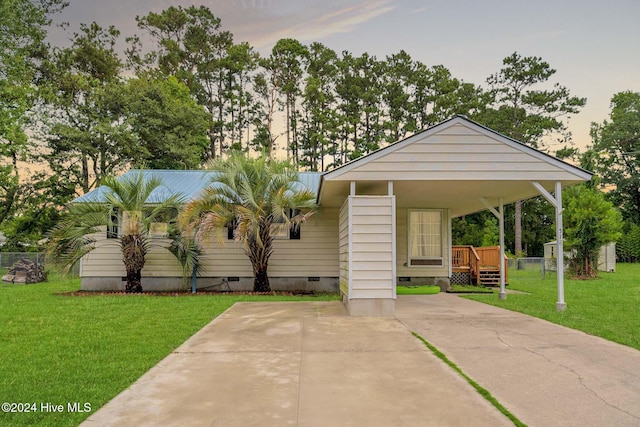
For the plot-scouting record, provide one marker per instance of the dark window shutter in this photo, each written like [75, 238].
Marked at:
[231, 228]
[294, 231]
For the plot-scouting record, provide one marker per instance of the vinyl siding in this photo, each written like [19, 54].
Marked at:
[314, 255]
[344, 242]
[372, 239]
[458, 153]
[106, 260]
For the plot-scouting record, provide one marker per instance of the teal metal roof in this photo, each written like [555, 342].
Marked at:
[188, 182]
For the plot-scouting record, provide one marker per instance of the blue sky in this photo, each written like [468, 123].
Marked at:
[593, 45]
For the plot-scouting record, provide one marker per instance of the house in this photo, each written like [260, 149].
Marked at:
[382, 218]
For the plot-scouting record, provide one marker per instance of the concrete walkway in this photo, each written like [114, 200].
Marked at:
[300, 364]
[545, 374]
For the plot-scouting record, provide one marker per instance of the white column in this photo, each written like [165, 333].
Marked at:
[352, 188]
[560, 305]
[556, 201]
[500, 215]
[503, 292]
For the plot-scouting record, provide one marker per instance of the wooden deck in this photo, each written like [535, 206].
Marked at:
[483, 264]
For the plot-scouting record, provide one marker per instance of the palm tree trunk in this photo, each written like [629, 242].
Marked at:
[261, 281]
[133, 256]
[259, 256]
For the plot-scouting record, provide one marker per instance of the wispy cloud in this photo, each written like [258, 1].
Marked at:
[262, 23]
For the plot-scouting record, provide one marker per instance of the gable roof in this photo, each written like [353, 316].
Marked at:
[188, 182]
[482, 143]
[451, 165]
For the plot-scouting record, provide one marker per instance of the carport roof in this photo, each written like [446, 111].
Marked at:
[451, 165]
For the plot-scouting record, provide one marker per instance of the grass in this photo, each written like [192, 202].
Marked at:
[607, 307]
[483, 391]
[63, 349]
[469, 289]
[417, 290]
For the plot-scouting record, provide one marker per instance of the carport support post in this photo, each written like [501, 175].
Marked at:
[557, 203]
[500, 215]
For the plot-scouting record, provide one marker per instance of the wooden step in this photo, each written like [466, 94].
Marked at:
[489, 277]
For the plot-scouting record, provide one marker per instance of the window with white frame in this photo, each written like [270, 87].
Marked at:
[425, 237]
[281, 230]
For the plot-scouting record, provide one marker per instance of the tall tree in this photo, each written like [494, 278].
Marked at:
[23, 28]
[359, 95]
[265, 86]
[126, 205]
[590, 222]
[616, 144]
[397, 88]
[287, 63]
[89, 138]
[524, 111]
[318, 105]
[254, 194]
[242, 61]
[191, 46]
[169, 126]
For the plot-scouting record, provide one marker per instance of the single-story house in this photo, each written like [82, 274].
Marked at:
[382, 218]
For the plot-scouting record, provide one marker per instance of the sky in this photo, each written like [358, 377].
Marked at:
[593, 45]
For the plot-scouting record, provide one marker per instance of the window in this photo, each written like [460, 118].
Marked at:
[159, 230]
[425, 238]
[279, 230]
[231, 230]
[290, 231]
[112, 228]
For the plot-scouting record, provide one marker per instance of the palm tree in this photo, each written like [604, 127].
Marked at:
[254, 195]
[127, 200]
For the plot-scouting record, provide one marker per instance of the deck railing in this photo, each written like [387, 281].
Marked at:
[466, 257]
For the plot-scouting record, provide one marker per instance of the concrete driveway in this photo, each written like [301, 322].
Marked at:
[547, 375]
[309, 364]
[299, 364]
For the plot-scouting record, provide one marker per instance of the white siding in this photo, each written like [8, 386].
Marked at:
[345, 246]
[372, 271]
[106, 260]
[458, 152]
[314, 255]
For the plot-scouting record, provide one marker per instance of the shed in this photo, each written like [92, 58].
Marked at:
[606, 257]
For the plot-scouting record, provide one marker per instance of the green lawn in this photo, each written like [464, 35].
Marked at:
[469, 289]
[63, 349]
[608, 307]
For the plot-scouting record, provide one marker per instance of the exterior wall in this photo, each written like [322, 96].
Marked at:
[454, 153]
[372, 272]
[314, 256]
[344, 246]
[607, 258]
[106, 260]
[367, 253]
[417, 273]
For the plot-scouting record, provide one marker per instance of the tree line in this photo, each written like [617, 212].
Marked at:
[184, 93]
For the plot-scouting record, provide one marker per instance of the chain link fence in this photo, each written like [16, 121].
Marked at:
[531, 267]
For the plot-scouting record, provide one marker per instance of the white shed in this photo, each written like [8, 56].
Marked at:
[606, 257]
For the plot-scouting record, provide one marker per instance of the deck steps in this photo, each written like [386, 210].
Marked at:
[489, 277]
